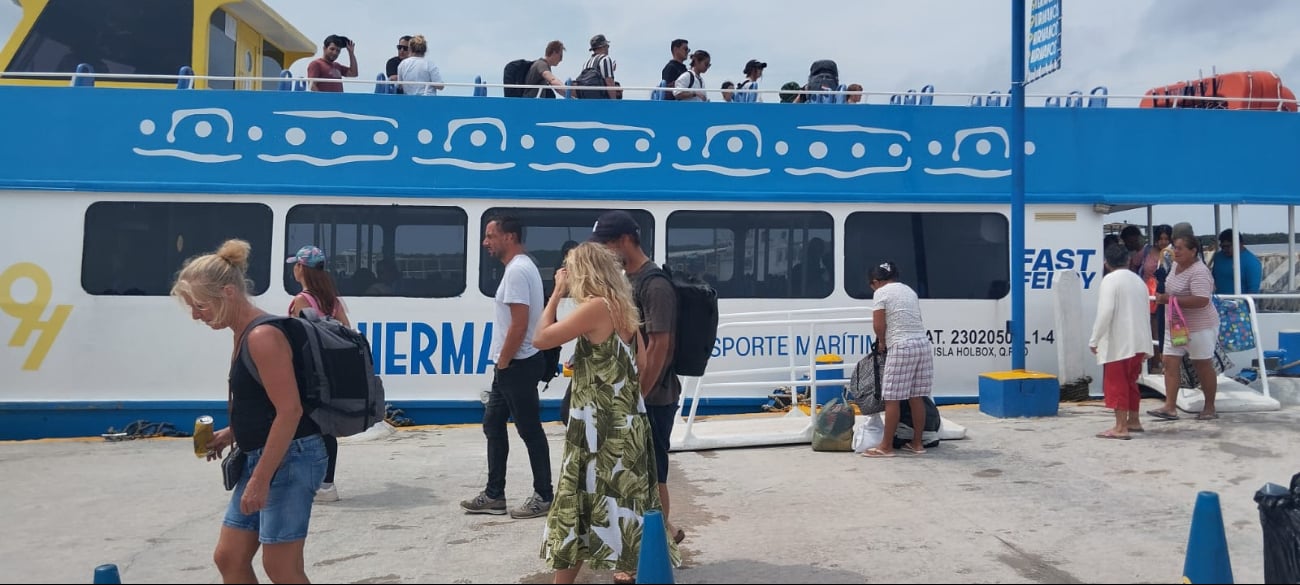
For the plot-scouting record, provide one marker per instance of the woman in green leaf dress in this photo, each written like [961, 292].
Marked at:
[607, 478]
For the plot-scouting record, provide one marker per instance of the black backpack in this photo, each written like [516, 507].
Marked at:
[516, 73]
[823, 75]
[697, 320]
[332, 365]
[551, 357]
[591, 77]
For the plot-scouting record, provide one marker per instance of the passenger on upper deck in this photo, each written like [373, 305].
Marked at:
[419, 76]
[853, 98]
[728, 89]
[753, 72]
[403, 51]
[605, 65]
[693, 79]
[327, 66]
[676, 66]
[540, 72]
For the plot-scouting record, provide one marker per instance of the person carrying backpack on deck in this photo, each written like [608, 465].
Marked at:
[656, 299]
[320, 293]
[267, 422]
[539, 73]
[598, 72]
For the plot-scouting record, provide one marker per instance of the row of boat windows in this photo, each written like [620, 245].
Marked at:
[136, 248]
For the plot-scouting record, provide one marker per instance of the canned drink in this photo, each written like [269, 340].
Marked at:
[202, 435]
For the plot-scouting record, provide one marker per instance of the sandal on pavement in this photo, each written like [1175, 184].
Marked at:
[875, 452]
[1162, 415]
[1112, 435]
[908, 447]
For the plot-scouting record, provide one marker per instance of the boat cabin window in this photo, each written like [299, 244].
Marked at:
[940, 255]
[221, 49]
[272, 65]
[383, 250]
[545, 233]
[113, 36]
[757, 254]
[136, 248]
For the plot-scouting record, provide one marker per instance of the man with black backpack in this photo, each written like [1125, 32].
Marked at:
[598, 72]
[539, 73]
[656, 298]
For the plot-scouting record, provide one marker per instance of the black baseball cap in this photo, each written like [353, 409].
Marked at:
[613, 225]
[754, 64]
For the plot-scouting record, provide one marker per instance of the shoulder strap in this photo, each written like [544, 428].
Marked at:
[245, 356]
[311, 300]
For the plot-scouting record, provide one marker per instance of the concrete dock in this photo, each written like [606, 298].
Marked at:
[1019, 501]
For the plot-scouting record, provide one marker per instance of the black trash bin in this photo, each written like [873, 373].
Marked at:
[1279, 516]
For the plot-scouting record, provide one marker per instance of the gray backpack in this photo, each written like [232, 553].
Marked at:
[332, 364]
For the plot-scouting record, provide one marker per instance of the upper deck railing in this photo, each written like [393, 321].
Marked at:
[1098, 97]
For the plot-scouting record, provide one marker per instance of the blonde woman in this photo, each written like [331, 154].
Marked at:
[597, 520]
[266, 422]
[419, 76]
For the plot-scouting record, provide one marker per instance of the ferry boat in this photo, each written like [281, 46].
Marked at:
[782, 208]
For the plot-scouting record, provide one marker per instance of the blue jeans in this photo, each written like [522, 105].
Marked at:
[293, 488]
[514, 395]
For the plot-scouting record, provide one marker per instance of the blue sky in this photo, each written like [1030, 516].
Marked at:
[1129, 46]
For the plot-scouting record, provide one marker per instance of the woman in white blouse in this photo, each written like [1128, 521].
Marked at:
[1121, 339]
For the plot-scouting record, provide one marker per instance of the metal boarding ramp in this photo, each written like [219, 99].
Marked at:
[792, 427]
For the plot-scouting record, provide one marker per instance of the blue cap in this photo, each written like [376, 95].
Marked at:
[309, 256]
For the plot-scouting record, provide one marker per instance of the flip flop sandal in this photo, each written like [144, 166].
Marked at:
[876, 453]
[1162, 415]
[909, 449]
[1110, 435]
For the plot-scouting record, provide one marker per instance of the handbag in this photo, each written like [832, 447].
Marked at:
[1178, 332]
[864, 386]
[232, 467]
[1236, 331]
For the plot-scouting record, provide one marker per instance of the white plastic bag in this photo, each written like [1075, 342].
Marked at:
[869, 433]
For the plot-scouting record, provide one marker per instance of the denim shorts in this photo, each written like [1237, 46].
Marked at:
[293, 488]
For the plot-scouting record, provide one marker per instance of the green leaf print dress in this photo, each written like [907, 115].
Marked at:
[608, 476]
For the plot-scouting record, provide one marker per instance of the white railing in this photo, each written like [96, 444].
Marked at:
[1003, 98]
[795, 426]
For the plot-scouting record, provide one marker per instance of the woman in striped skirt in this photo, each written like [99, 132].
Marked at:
[909, 367]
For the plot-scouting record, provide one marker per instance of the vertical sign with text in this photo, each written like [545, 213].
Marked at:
[1044, 38]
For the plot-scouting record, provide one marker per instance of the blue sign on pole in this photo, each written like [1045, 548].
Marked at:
[1044, 38]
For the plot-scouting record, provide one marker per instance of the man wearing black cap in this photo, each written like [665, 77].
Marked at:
[657, 301]
[753, 71]
[676, 66]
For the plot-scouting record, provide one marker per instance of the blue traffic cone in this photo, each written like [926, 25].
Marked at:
[107, 574]
[654, 566]
[1207, 548]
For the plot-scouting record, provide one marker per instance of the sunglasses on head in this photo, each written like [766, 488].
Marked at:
[403, 48]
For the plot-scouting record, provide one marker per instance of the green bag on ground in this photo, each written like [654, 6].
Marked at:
[833, 427]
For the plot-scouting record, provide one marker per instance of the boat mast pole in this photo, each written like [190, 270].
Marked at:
[1018, 347]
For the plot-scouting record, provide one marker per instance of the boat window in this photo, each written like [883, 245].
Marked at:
[756, 254]
[272, 65]
[940, 255]
[545, 233]
[106, 34]
[221, 49]
[136, 248]
[383, 250]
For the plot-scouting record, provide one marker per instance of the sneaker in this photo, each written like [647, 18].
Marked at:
[481, 504]
[533, 507]
[327, 493]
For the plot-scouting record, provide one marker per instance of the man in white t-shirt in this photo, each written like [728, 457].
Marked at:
[519, 366]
